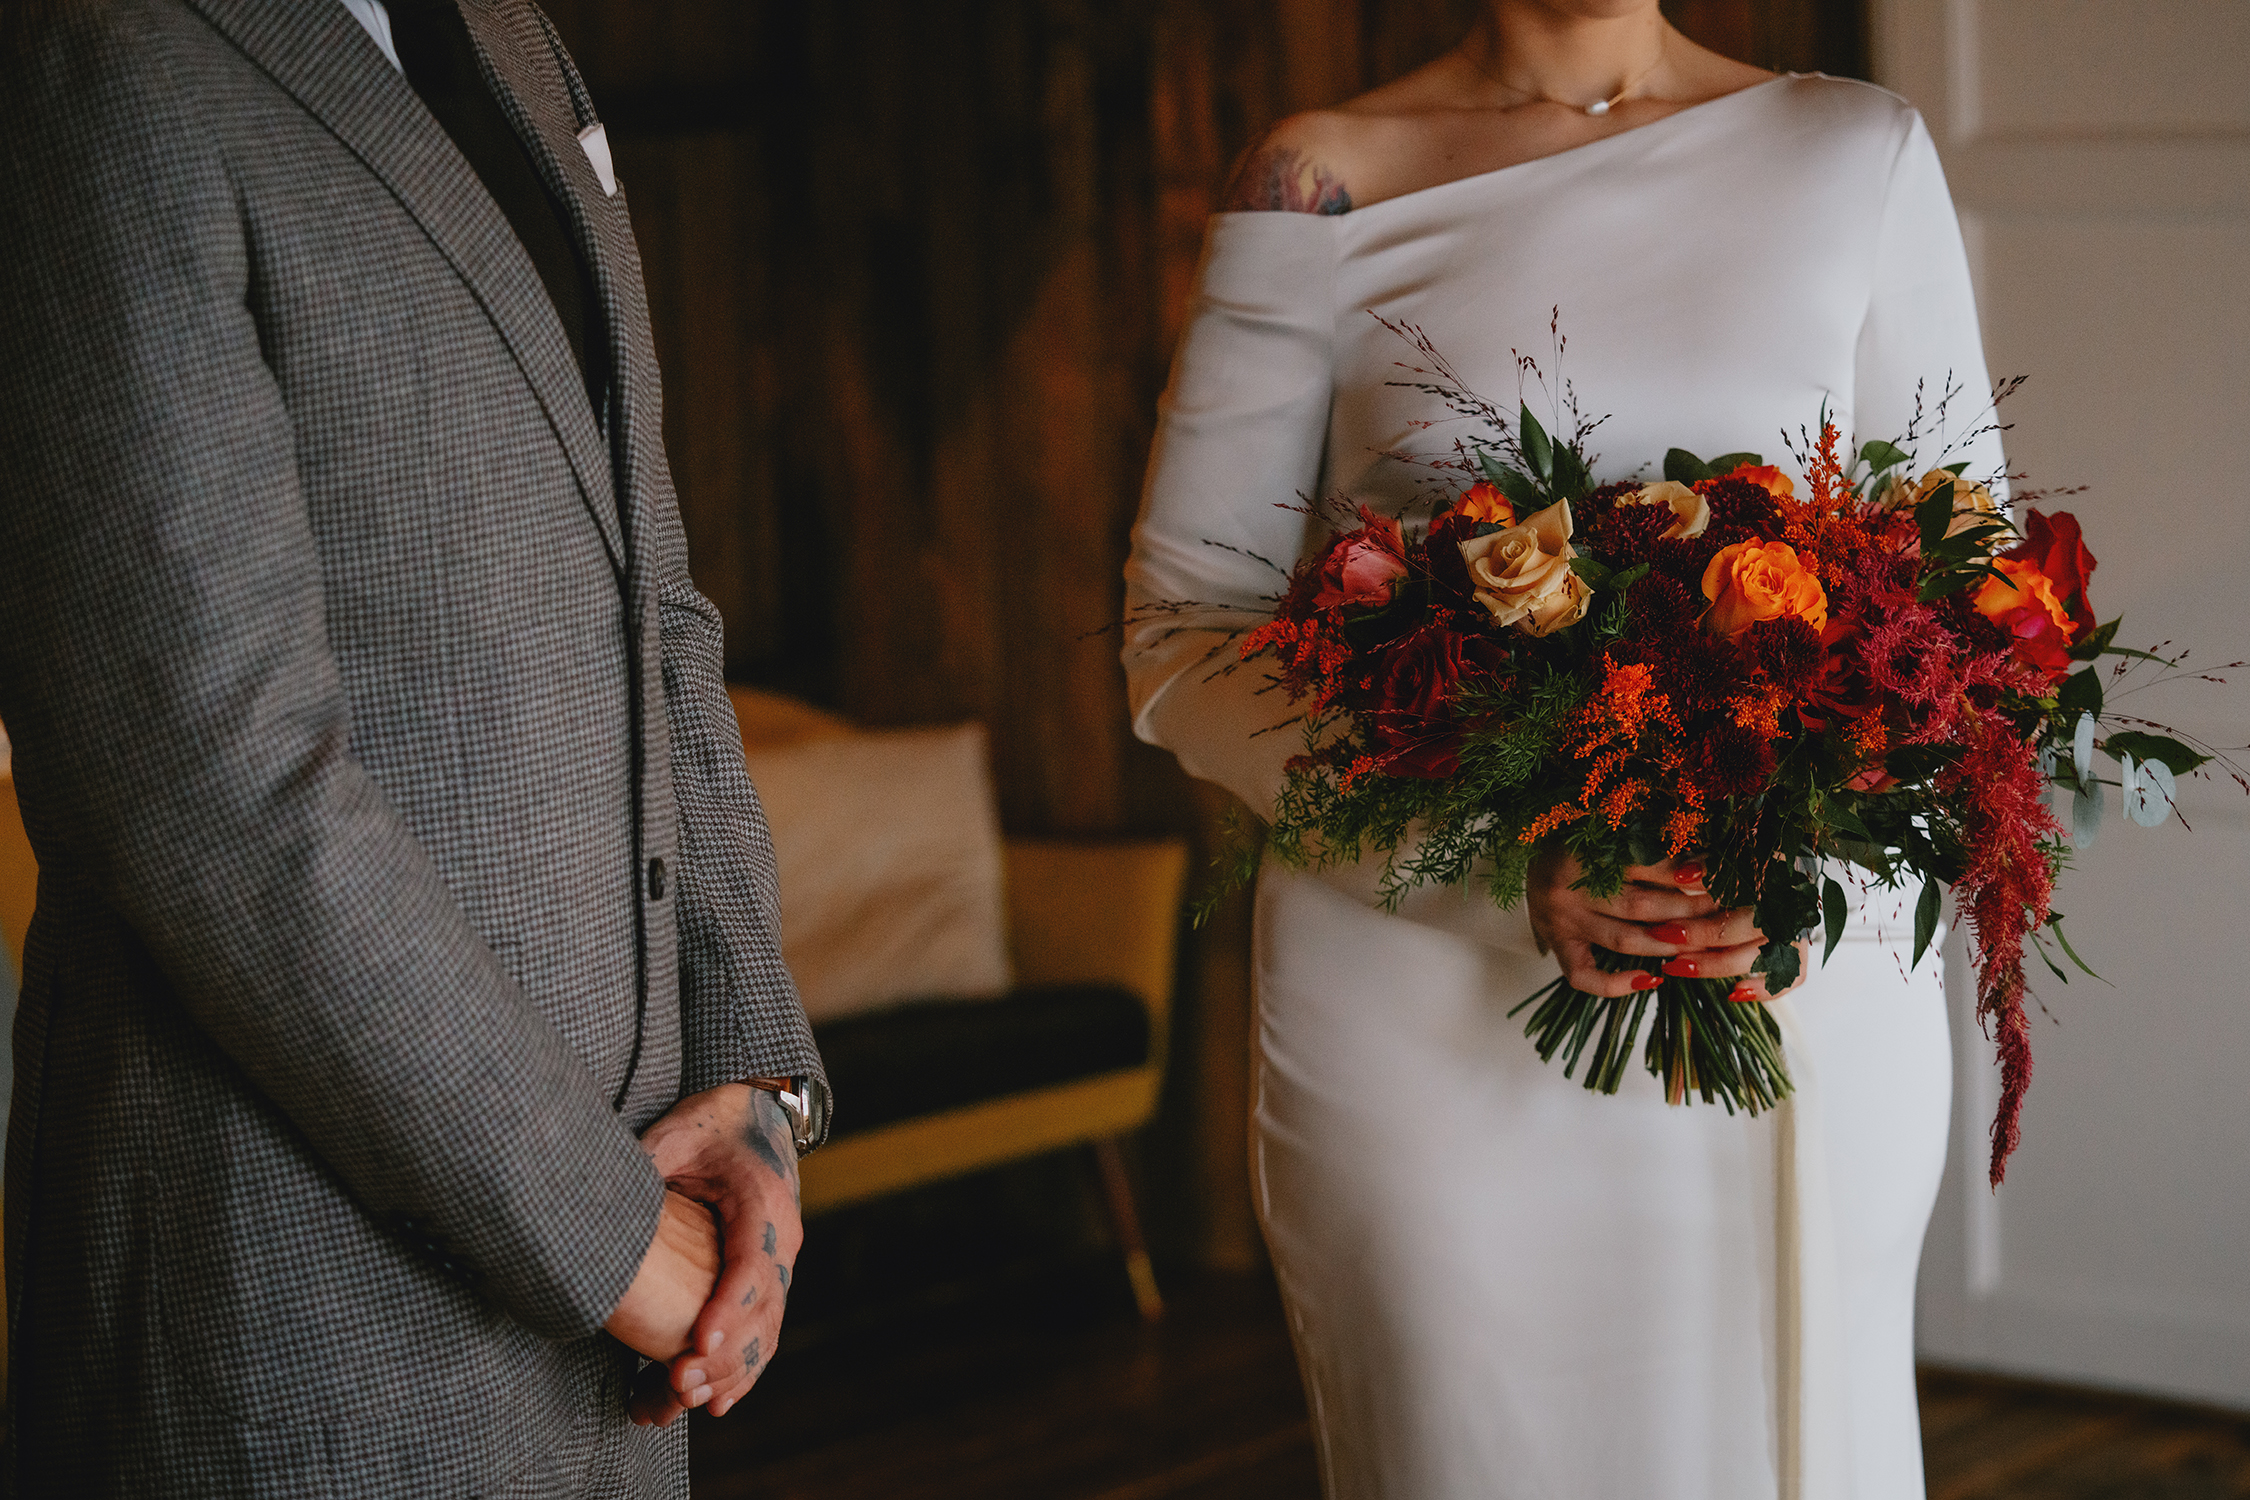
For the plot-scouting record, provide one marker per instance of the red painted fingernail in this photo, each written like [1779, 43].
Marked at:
[1688, 874]
[1646, 981]
[1743, 994]
[1682, 967]
[1668, 932]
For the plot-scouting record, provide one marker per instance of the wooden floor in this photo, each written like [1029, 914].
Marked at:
[1040, 1384]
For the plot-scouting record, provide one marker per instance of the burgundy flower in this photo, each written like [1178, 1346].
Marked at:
[1412, 711]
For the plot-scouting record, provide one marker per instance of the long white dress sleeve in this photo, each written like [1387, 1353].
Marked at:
[1499, 1284]
[1237, 460]
[1920, 337]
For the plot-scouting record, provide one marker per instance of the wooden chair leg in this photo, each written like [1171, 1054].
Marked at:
[1125, 1219]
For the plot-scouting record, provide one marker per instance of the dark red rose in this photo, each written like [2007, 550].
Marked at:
[1842, 690]
[1412, 714]
[2054, 546]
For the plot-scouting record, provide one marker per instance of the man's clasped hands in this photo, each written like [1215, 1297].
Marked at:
[706, 1305]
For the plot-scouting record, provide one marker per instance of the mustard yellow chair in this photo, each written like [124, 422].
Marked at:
[953, 1089]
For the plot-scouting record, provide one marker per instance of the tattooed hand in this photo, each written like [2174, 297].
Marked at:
[730, 1148]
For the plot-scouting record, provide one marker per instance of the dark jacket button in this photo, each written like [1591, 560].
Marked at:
[656, 879]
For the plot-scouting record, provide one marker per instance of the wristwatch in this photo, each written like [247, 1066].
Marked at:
[805, 1100]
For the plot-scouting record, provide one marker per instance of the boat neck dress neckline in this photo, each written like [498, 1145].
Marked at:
[1571, 155]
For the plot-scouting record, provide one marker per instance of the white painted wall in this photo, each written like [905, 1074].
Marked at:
[2099, 152]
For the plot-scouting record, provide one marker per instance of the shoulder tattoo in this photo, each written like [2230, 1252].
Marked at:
[1283, 179]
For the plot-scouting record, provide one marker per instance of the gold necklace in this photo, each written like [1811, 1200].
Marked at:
[1600, 106]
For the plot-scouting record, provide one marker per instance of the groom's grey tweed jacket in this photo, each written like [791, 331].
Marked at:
[357, 687]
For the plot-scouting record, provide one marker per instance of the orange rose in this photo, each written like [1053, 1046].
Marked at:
[1753, 581]
[2029, 609]
[1767, 478]
[1484, 502]
[2026, 588]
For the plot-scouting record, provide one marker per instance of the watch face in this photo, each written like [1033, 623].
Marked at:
[811, 1112]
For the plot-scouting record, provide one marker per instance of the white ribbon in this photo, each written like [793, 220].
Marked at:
[1812, 1414]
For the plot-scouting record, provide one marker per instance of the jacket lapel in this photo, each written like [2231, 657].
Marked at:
[322, 57]
[548, 105]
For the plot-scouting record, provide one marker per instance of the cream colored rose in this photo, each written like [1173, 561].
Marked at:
[1523, 574]
[1973, 504]
[1691, 512]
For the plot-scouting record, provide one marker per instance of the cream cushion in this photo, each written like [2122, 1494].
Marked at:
[888, 848]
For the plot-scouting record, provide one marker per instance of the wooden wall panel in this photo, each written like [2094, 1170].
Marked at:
[917, 272]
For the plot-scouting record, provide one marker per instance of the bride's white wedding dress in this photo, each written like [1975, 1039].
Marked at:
[1501, 1285]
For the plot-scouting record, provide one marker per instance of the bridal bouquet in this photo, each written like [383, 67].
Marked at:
[1880, 670]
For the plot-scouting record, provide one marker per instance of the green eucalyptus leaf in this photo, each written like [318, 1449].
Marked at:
[1833, 910]
[1595, 573]
[1925, 920]
[1538, 450]
[2150, 792]
[2086, 814]
[1727, 463]
[1683, 467]
[1629, 577]
[1956, 470]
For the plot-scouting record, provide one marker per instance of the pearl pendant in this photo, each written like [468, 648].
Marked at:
[1598, 107]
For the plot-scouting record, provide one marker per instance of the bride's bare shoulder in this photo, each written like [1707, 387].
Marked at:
[1328, 161]
[1445, 120]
